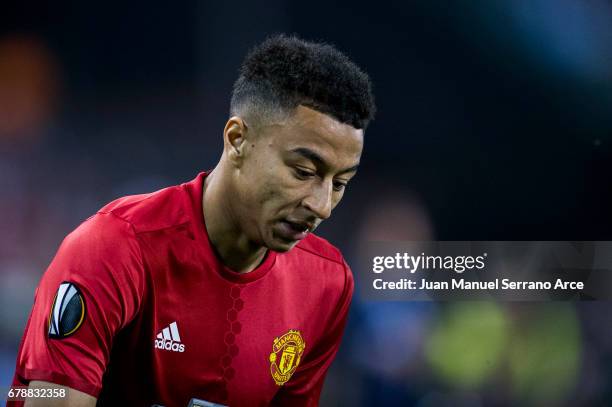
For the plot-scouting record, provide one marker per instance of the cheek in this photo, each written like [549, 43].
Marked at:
[336, 199]
[277, 193]
[271, 184]
[266, 196]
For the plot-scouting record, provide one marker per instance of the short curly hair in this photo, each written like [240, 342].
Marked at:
[285, 71]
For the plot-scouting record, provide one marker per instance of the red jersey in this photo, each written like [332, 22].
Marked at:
[136, 309]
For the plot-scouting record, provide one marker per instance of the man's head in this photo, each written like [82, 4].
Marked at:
[295, 138]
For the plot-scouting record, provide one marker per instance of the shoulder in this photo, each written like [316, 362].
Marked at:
[102, 238]
[112, 231]
[314, 245]
[334, 273]
[322, 274]
[147, 212]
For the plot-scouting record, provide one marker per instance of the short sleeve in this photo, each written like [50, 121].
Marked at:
[304, 387]
[91, 290]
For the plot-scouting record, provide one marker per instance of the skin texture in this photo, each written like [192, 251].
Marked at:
[268, 174]
[294, 170]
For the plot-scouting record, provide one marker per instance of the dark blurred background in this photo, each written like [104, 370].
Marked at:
[494, 123]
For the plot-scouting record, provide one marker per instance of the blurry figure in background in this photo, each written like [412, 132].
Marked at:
[386, 339]
[465, 353]
[544, 355]
[29, 100]
[28, 89]
[486, 353]
[461, 353]
[29, 85]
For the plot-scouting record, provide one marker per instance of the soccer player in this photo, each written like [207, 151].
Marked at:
[215, 292]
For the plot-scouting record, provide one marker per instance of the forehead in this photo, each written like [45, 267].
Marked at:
[338, 143]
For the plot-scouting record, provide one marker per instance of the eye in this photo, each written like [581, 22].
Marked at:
[301, 173]
[339, 186]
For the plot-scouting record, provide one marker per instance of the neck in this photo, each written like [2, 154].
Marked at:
[230, 243]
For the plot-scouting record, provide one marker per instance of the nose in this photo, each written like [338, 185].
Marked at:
[319, 201]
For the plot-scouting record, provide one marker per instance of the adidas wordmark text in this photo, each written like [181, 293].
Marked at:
[169, 339]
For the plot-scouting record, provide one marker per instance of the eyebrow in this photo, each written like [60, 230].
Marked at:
[318, 160]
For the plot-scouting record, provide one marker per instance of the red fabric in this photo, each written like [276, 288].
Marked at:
[144, 262]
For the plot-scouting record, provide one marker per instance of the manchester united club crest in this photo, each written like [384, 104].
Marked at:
[286, 355]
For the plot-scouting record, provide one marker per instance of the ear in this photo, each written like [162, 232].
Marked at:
[235, 139]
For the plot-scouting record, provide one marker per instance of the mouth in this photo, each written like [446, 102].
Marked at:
[291, 230]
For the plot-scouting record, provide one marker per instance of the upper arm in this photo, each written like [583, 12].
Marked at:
[71, 398]
[69, 337]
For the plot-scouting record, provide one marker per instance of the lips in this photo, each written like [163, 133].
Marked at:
[294, 230]
[302, 226]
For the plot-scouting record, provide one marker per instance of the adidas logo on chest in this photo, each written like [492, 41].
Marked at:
[169, 339]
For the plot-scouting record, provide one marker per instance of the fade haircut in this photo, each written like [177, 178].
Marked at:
[285, 71]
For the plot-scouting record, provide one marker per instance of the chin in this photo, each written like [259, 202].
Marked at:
[281, 246]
